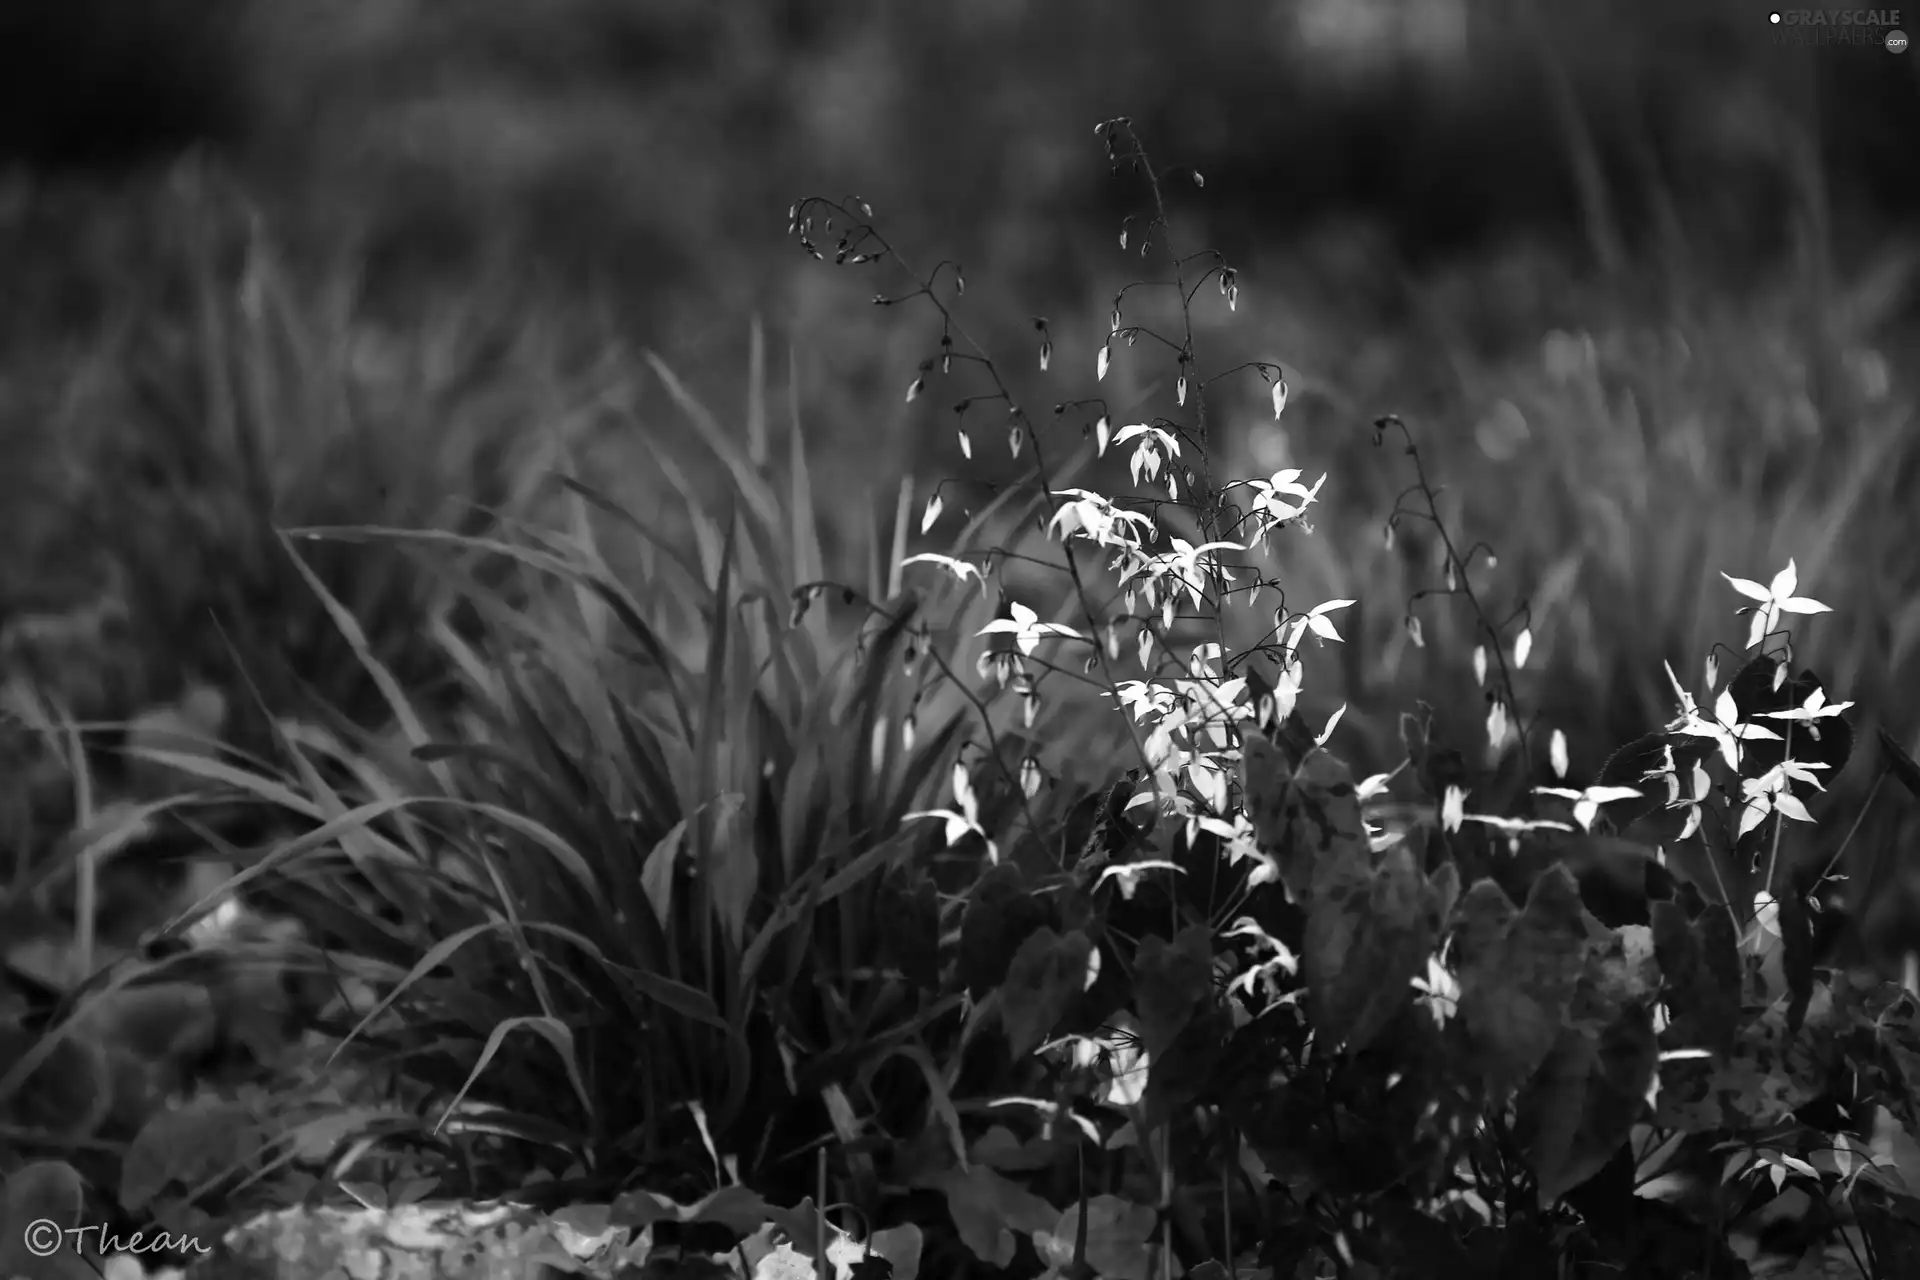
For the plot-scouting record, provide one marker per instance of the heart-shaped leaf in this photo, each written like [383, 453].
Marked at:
[1585, 1100]
[1367, 937]
[1170, 983]
[1518, 971]
[1047, 972]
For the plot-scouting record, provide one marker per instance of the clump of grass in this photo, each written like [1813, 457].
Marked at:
[665, 835]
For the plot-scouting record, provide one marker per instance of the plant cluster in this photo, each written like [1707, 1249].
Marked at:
[1430, 1038]
[729, 886]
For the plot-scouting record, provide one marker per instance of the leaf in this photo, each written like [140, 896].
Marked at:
[1619, 879]
[1119, 1238]
[49, 1189]
[1585, 1101]
[1517, 982]
[319, 1138]
[1767, 1074]
[1486, 915]
[1901, 764]
[160, 1021]
[1308, 821]
[656, 872]
[987, 1209]
[901, 1246]
[732, 870]
[196, 1142]
[1628, 767]
[1621, 971]
[39, 1203]
[350, 631]
[370, 1194]
[1757, 700]
[1582, 1105]
[1000, 1148]
[1446, 891]
[1891, 1224]
[414, 1190]
[553, 1031]
[1903, 1097]
[1046, 974]
[801, 1226]
[735, 1208]
[1170, 983]
[1797, 950]
[1001, 913]
[1366, 939]
[909, 929]
[1699, 964]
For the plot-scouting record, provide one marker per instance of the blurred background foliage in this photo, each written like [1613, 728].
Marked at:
[1637, 276]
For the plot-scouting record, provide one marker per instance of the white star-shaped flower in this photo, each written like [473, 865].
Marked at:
[1775, 599]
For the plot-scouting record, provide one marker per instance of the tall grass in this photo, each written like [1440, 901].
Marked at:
[658, 867]
[218, 393]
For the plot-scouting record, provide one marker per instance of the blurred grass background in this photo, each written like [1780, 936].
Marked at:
[1640, 279]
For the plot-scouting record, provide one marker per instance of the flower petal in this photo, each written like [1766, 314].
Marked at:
[1784, 582]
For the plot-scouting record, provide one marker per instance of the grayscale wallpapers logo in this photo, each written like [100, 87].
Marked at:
[1858, 27]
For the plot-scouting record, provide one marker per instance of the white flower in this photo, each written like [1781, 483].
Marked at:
[1726, 729]
[1815, 708]
[1775, 599]
[967, 815]
[1586, 804]
[958, 568]
[1027, 628]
